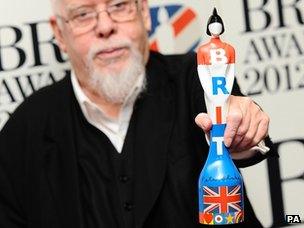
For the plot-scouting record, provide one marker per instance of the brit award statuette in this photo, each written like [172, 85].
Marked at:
[220, 184]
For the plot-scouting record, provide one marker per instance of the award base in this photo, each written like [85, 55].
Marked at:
[221, 219]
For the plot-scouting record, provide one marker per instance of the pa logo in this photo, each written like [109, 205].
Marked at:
[293, 219]
[175, 29]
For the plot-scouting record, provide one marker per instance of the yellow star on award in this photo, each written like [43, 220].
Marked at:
[229, 219]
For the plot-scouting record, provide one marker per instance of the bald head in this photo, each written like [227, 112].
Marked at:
[55, 5]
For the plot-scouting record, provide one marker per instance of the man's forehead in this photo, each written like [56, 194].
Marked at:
[72, 4]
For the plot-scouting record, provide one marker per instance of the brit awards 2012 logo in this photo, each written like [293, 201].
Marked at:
[176, 28]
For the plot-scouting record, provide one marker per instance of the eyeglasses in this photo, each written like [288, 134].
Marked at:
[84, 19]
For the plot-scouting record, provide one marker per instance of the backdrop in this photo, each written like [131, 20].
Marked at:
[268, 37]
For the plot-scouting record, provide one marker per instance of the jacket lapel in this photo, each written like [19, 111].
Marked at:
[154, 116]
[60, 162]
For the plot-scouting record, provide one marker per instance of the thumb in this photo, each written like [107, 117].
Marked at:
[204, 122]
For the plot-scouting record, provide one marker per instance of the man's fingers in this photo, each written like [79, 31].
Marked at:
[257, 131]
[234, 120]
[261, 132]
[248, 137]
[245, 123]
[204, 122]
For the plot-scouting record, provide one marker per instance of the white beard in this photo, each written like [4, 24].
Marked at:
[117, 87]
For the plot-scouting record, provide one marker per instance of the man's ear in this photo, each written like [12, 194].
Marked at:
[146, 14]
[58, 33]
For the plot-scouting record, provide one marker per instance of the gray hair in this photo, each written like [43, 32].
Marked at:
[55, 4]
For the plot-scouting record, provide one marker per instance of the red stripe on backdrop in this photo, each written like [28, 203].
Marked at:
[154, 46]
[182, 21]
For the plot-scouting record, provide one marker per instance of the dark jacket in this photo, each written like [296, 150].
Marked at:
[38, 167]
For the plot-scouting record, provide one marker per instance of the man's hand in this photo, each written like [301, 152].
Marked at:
[247, 124]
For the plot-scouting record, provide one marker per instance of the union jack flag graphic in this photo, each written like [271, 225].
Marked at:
[182, 31]
[222, 199]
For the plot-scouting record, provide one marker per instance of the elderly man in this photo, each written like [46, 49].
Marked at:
[116, 144]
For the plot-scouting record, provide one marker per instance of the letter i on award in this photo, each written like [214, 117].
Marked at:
[220, 184]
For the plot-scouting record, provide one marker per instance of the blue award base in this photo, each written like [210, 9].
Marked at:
[220, 184]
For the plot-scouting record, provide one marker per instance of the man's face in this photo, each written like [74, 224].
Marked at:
[108, 43]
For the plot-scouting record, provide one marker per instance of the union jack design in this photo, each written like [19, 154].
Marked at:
[222, 199]
[184, 22]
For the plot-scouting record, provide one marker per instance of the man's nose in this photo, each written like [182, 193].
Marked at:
[105, 26]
